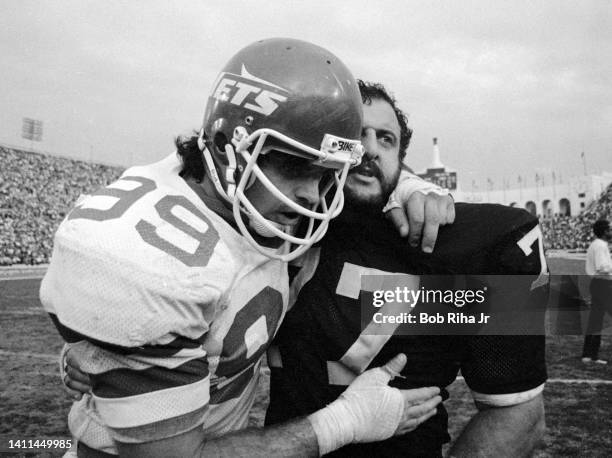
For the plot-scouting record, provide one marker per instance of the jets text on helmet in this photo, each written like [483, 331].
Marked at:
[249, 92]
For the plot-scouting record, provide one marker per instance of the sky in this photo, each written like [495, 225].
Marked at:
[509, 88]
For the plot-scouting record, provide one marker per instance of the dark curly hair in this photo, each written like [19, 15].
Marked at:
[188, 150]
[376, 91]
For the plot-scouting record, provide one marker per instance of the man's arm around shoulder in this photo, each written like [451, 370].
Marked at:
[369, 410]
[295, 438]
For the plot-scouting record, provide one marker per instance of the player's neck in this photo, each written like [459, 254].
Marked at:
[206, 191]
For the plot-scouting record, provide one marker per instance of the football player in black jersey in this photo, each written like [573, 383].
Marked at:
[321, 348]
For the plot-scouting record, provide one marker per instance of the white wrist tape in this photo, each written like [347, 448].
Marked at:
[407, 185]
[369, 410]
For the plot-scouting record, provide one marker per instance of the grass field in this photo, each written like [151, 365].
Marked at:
[34, 405]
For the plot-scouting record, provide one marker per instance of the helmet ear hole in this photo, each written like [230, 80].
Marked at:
[220, 140]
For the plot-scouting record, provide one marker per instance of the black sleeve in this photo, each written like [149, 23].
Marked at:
[496, 365]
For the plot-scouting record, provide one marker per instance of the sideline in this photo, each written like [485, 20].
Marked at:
[46, 356]
[23, 272]
[27, 311]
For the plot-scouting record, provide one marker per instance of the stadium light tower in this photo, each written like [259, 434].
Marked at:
[32, 129]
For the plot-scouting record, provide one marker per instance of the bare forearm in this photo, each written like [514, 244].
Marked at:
[502, 431]
[369, 410]
[295, 438]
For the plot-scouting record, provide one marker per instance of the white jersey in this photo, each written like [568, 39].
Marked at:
[166, 306]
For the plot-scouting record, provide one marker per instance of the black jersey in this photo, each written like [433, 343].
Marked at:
[320, 343]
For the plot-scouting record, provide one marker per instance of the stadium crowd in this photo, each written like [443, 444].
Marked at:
[37, 190]
[574, 232]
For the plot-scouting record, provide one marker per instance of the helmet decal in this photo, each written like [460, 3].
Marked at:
[248, 91]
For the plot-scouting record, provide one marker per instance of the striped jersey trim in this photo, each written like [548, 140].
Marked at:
[123, 382]
[143, 409]
[163, 428]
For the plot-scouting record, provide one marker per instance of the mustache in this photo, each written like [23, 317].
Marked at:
[367, 166]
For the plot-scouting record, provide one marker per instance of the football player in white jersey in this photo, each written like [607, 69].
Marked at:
[169, 284]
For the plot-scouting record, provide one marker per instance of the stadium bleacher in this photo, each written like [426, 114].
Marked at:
[574, 232]
[37, 190]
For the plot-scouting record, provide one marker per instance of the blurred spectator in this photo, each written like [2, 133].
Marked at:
[36, 191]
[599, 268]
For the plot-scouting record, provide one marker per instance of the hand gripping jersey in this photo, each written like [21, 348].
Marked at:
[166, 306]
[321, 347]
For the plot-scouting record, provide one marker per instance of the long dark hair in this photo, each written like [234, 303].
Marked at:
[193, 162]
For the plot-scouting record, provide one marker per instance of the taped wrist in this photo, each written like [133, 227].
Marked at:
[407, 185]
[331, 426]
[369, 410]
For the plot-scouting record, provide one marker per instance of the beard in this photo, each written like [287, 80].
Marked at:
[365, 201]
